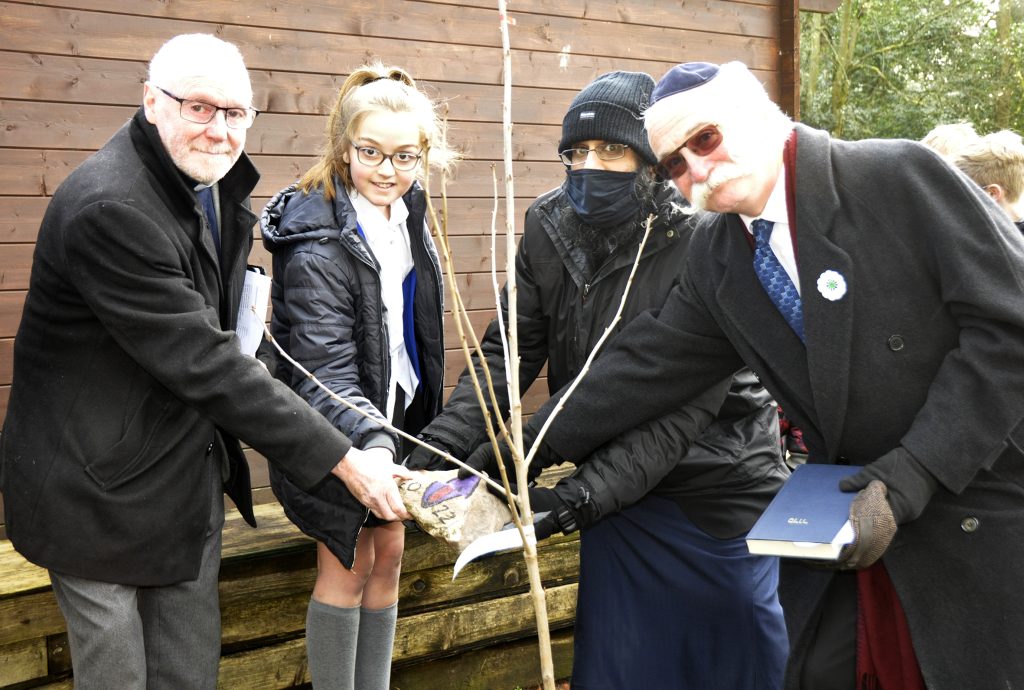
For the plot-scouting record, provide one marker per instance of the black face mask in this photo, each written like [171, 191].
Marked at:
[602, 198]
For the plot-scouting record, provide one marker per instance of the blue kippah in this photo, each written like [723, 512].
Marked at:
[683, 77]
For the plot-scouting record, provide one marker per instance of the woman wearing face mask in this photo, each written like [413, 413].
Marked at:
[669, 596]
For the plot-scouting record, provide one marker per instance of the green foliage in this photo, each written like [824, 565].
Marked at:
[897, 68]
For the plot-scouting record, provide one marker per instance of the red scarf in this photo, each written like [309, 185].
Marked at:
[885, 653]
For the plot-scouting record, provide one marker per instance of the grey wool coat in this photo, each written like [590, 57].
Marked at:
[129, 387]
[924, 350]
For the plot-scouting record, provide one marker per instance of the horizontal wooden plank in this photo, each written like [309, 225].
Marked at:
[11, 303]
[430, 588]
[432, 634]
[15, 266]
[428, 23]
[6, 361]
[40, 124]
[64, 684]
[99, 81]
[823, 6]
[29, 616]
[22, 661]
[275, 666]
[20, 217]
[38, 172]
[754, 17]
[506, 666]
[41, 29]
[269, 598]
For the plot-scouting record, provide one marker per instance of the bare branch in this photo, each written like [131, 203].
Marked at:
[383, 422]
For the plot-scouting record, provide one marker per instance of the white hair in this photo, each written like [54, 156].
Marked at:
[190, 56]
[733, 96]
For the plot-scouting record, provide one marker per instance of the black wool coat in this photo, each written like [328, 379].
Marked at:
[924, 350]
[129, 388]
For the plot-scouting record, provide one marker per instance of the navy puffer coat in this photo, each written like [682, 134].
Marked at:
[328, 315]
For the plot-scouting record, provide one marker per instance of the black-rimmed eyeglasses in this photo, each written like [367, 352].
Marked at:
[201, 113]
[577, 156]
[400, 160]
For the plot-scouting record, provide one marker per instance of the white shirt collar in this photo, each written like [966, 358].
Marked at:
[775, 207]
[368, 214]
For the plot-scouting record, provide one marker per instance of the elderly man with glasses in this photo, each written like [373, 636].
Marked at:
[668, 597]
[877, 294]
[130, 391]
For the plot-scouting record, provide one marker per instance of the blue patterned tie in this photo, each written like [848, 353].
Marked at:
[773, 277]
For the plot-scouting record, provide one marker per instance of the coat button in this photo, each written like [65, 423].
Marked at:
[896, 343]
[209, 448]
[969, 524]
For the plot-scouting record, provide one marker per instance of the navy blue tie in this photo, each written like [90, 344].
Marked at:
[206, 199]
[773, 277]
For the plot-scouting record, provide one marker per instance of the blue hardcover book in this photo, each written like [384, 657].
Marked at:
[809, 517]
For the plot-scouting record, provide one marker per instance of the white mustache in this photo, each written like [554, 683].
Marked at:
[700, 191]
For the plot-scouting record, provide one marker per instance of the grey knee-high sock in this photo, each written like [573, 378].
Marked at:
[331, 636]
[376, 638]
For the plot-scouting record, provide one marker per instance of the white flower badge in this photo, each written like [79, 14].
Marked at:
[832, 285]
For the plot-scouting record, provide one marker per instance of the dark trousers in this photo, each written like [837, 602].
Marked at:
[831, 660]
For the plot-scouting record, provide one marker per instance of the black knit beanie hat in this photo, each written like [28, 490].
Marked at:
[611, 108]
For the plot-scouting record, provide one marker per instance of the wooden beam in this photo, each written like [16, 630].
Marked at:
[823, 6]
[789, 57]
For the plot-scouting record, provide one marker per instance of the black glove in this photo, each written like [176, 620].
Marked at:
[423, 459]
[550, 513]
[483, 460]
[909, 485]
[873, 528]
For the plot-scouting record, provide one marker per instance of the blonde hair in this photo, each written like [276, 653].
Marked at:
[375, 88]
[947, 140]
[996, 158]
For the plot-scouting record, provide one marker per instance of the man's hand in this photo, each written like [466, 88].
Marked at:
[370, 476]
[909, 486]
[873, 528]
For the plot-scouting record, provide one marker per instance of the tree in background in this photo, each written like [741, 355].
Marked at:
[896, 68]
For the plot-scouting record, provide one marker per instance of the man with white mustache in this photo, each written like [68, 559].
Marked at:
[130, 391]
[876, 292]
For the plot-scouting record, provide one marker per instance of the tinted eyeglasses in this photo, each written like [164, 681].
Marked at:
[576, 157]
[706, 140]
